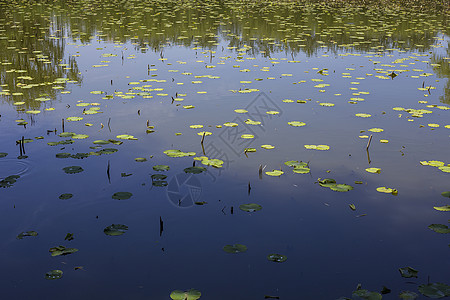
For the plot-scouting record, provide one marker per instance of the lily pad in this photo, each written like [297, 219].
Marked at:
[374, 170]
[126, 137]
[191, 294]
[247, 136]
[446, 194]
[26, 233]
[178, 153]
[365, 294]
[442, 208]
[108, 151]
[279, 258]
[435, 290]
[296, 164]
[251, 207]
[101, 142]
[115, 229]
[65, 196]
[159, 183]
[235, 248]
[439, 228]
[3, 154]
[63, 155]
[74, 119]
[407, 295]
[241, 111]
[73, 169]
[122, 195]
[195, 170]
[140, 159]
[317, 147]
[408, 272]
[275, 173]
[297, 123]
[80, 136]
[341, 187]
[301, 170]
[67, 134]
[158, 177]
[54, 274]
[161, 168]
[383, 189]
[61, 250]
[216, 163]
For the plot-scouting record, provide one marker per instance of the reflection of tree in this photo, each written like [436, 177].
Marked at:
[32, 56]
[34, 35]
[442, 70]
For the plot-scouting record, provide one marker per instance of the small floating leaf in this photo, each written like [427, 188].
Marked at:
[73, 119]
[61, 250]
[301, 170]
[115, 229]
[54, 274]
[122, 195]
[26, 233]
[435, 290]
[241, 111]
[317, 147]
[341, 187]
[275, 173]
[251, 207]
[178, 153]
[383, 189]
[73, 169]
[3, 154]
[408, 272]
[216, 163]
[247, 136]
[65, 196]
[235, 248]
[192, 294]
[195, 170]
[158, 177]
[140, 159]
[446, 194]
[101, 142]
[279, 258]
[161, 168]
[407, 295]
[296, 123]
[376, 130]
[442, 208]
[365, 294]
[374, 170]
[268, 147]
[439, 228]
[126, 137]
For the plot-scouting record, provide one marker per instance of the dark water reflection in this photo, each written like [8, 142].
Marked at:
[159, 53]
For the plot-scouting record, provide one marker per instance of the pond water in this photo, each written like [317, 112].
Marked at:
[107, 87]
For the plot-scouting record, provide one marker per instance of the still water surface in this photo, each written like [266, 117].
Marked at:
[151, 70]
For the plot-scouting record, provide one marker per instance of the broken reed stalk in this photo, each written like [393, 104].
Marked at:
[203, 137]
[368, 143]
[62, 120]
[23, 144]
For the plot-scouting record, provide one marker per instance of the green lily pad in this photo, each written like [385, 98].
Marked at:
[241, 111]
[297, 123]
[445, 169]
[26, 233]
[374, 170]
[122, 195]
[195, 170]
[435, 290]
[230, 124]
[408, 295]
[341, 187]
[73, 119]
[268, 147]
[126, 137]
[383, 189]
[192, 294]
[251, 122]
[3, 154]
[80, 155]
[235, 248]
[446, 194]
[439, 228]
[246, 150]
[216, 163]
[178, 153]
[275, 173]
[9, 181]
[160, 183]
[158, 177]
[115, 142]
[101, 142]
[247, 136]
[140, 159]
[61, 250]
[296, 164]
[67, 134]
[301, 170]
[73, 169]
[65, 196]
[108, 151]
[279, 258]
[161, 168]
[327, 182]
[408, 272]
[365, 294]
[115, 229]
[53, 274]
[63, 155]
[80, 136]
[251, 207]
[442, 208]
